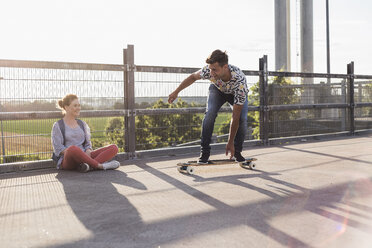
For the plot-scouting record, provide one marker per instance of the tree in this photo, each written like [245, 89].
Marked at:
[115, 131]
[155, 131]
[368, 98]
[278, 94]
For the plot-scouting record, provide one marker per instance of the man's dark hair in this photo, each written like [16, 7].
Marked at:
[218, 56]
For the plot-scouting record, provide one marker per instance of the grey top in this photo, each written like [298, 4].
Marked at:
[74, 136]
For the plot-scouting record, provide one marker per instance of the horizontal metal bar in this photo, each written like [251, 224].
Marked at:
[305, 74]
[363, 104]
[163, 69]
[251, 73]
[362, 77]
[313, 137]
[185, 110]
[60, 65]
[168, 111]
[306, 106]
[308, 86]
[58, 114]
[30, 115]
[155, 69]
[158, 69]
[363, 82]
[108, 113]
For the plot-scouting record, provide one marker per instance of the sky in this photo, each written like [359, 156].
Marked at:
[178, 32]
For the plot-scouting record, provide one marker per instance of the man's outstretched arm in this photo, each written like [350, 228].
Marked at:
[184, 84]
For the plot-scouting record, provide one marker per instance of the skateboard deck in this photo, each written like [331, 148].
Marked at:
[188, 167]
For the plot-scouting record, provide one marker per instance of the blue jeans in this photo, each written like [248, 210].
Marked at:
[215, 101]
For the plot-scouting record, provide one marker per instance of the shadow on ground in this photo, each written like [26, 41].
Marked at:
[115, 222]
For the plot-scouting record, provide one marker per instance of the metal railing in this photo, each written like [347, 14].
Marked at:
[278, 109]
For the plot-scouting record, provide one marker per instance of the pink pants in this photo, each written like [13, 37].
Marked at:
[74, 156]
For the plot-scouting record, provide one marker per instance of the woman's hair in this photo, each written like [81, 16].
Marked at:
[66, 101]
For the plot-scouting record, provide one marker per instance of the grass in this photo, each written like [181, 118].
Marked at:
[34, 136]
[28, 126]
[222, 118]
[97, 125]
[44, 127]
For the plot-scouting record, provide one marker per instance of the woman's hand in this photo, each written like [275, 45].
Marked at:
[88, 152]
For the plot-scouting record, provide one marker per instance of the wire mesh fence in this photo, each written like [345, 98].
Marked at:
[295, 122]
[281, 104]
[29, 86]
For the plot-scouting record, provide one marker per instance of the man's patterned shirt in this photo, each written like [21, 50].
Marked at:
[236, 86]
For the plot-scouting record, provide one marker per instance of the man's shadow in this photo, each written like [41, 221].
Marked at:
[98, 205]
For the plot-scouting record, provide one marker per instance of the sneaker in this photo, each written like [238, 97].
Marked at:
[112, 165]
[83, 167]
[204, 158]
[238, 157]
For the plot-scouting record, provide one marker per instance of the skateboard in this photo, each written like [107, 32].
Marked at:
[189, 166]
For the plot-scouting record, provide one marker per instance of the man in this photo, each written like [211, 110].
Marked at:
[228, 84]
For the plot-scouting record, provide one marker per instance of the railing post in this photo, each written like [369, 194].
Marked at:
[2, 143]
[350, 72]
[129, 102]
[343, 100]
[264, 114]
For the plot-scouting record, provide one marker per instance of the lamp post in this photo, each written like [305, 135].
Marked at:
[328, 50]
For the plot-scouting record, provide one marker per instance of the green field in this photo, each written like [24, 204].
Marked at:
[44, 127]
[28, 126]
[97, 125]
[31, 139]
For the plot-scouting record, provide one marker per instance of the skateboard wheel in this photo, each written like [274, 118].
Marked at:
[181, 168]
[190, 170]
[252, 165]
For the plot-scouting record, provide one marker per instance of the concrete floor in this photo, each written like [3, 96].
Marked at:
[316, 194]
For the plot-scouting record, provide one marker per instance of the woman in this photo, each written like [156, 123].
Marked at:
[71, 141]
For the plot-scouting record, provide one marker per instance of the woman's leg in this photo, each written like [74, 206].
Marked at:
[74, 156]
[104, 154]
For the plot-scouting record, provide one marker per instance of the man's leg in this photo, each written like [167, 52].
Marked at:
[240, 134]
[242, 130]
[214, 103]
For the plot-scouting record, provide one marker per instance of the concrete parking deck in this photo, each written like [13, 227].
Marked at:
[316, 194]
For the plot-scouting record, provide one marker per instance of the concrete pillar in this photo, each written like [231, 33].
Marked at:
[307, 37]
[307, 46]
[282, 36]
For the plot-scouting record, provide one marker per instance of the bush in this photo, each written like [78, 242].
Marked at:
[154, 131]
[282, 96]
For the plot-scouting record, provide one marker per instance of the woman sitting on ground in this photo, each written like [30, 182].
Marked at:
[71, 141]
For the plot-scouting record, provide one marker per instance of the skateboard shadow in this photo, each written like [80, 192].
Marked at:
[239, 180]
